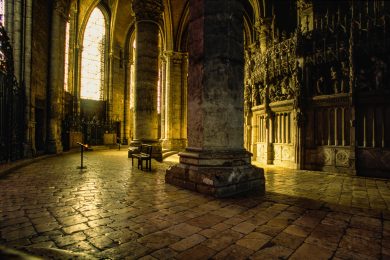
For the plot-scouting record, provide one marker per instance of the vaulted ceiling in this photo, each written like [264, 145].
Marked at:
[174, 29]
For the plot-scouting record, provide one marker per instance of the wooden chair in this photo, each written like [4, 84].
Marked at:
[145, 154]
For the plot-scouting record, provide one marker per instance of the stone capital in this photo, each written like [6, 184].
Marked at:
[148, 10]
[175, 57]
[60, 8]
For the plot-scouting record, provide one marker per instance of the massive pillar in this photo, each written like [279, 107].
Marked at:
[175, 134]
[56, 81]
[148, 15]
[215, 161]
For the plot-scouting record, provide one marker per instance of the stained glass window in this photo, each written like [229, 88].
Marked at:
[92, 60]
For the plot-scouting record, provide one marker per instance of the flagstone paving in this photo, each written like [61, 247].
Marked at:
[113, 211]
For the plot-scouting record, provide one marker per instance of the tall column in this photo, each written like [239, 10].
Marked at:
[215, 161]
[174, 109]
[148, 14]
[56, 80]
[29, 144]
[163, 94]
[126, 106]
[77, 50]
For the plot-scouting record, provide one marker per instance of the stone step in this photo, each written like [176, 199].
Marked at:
[166, 153]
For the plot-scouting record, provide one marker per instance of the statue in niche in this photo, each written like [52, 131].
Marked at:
[380, 70]
[262, 93]
[272, 93]
[334, 79]
[247, 96]
[344, 85]
[298, 80]
[362, 80]
[286, 89]
[255, 95]
[320, 84]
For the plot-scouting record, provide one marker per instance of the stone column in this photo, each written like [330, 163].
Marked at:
[76, 61]
[126, 105]
[352, 96]
[216, 162]
[148, 14]
[29, 140]
[163, 94]
[174, 110]
[184, 79]
[56, 80]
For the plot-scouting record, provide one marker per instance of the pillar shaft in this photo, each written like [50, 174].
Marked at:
[174, 101]
[148, 14]
[215, 161]
[56, 82]
[147, 29]
[29, 144]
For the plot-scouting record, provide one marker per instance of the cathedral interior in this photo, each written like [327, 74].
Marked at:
[269, 124]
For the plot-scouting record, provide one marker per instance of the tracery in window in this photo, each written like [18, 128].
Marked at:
[92, 60]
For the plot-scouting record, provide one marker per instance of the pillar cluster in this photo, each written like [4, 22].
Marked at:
[174, 132]
[56, 81]
[215, 161]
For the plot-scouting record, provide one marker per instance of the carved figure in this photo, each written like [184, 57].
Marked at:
[247, 96]
[362, 80]
[334, 78]
[344, 77]
[380, 70]
[320, 85]
[255, 95]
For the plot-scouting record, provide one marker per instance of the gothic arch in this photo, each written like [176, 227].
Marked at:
[167, 27]
[182, 33]
[106, 13]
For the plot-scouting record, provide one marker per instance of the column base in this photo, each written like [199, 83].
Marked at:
[217, 174]
[174, 144]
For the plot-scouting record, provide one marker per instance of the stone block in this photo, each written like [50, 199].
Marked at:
[217, 181]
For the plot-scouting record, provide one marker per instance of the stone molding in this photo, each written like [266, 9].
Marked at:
[175, 57]
[148, 10]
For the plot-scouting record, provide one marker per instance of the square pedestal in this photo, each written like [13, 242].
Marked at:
[219, 174]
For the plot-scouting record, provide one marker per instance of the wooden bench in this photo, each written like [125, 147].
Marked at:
[145, 154]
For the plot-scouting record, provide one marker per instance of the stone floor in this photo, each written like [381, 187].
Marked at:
[113, 211]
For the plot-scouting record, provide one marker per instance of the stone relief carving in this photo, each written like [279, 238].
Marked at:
[325, 157]
[342, 158]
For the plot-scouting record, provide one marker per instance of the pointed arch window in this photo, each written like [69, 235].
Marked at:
[93, 57]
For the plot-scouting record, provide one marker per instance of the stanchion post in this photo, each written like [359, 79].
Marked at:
[81, 155]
